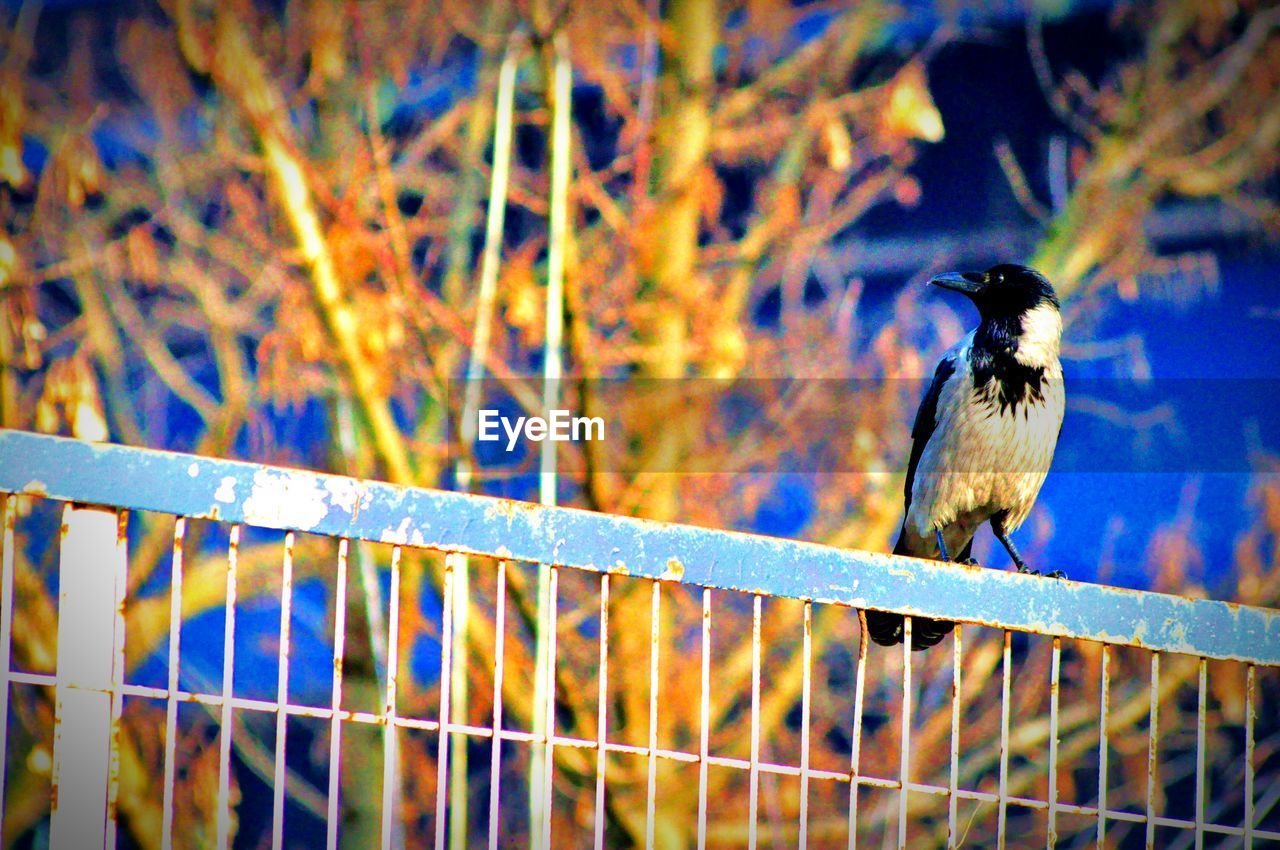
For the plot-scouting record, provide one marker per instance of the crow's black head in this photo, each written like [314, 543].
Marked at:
[1006, 289]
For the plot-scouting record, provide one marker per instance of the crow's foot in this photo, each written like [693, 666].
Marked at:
[1025, 570]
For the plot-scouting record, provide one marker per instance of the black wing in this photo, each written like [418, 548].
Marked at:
[927, 420]
[884, 628]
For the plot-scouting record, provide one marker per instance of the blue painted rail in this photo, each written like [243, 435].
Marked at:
[291, 499]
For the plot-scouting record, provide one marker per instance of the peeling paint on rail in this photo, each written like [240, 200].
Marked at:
[297, 500]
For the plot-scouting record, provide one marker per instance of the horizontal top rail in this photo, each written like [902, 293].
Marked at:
[318, 503]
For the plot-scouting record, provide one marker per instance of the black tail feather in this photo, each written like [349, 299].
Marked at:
[887, 629]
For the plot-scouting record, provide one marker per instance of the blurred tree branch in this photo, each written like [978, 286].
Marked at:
[237, 70]
[1156, 122]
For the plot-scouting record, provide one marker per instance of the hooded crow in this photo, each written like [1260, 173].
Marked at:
[985, 433]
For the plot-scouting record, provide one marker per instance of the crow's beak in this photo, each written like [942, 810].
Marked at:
[970, 283]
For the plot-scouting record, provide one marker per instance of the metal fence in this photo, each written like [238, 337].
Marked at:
[1144, 737]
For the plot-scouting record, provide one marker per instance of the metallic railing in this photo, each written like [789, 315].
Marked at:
[101, 484]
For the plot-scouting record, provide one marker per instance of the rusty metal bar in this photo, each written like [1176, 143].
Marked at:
[548, 768]
[953, 835]
[282, 691]
[904, 751]
[459, 693]
[232, 491]
[1003, 796]
[1055, 664]
[91, 556]
[447, 604]
[651, 786]
[602, 714]
[171, 702]
[7, 557]
[1201, 706]
[227, 725]
[855, 749]
[1104, 710]
[1153, 750]
[754, 780]
[499, 668]
[332, 815]
[121, 581]
[806, 687]
[1250, 717]
[704, 719]
[390, 749]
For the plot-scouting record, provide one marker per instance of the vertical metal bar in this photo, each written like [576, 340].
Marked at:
[6, 633]
[1051, 836]
[651, 789]
[390, 735]
[806, 687]
[228, 692]
[1153, 743]
[704, 719]
[755, 721]
[459, 696]
[1103, 746]
[282, 694]
[117, 679]
[602, 713]
[904, 751]
[1003, 795]
[499, 652]
[335, 701]
[537, 750]
[855, 753]
[92, 550]
[171, 702]
[548, 767]
[446, 678]
[1201, 711]
[953, 835]
[1250, 716]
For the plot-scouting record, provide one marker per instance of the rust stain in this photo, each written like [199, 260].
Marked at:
[673, 572]
[364, 493]
[510, 508]
[344, 493]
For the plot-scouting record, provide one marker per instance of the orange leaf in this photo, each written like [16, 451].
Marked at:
[910, 113]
